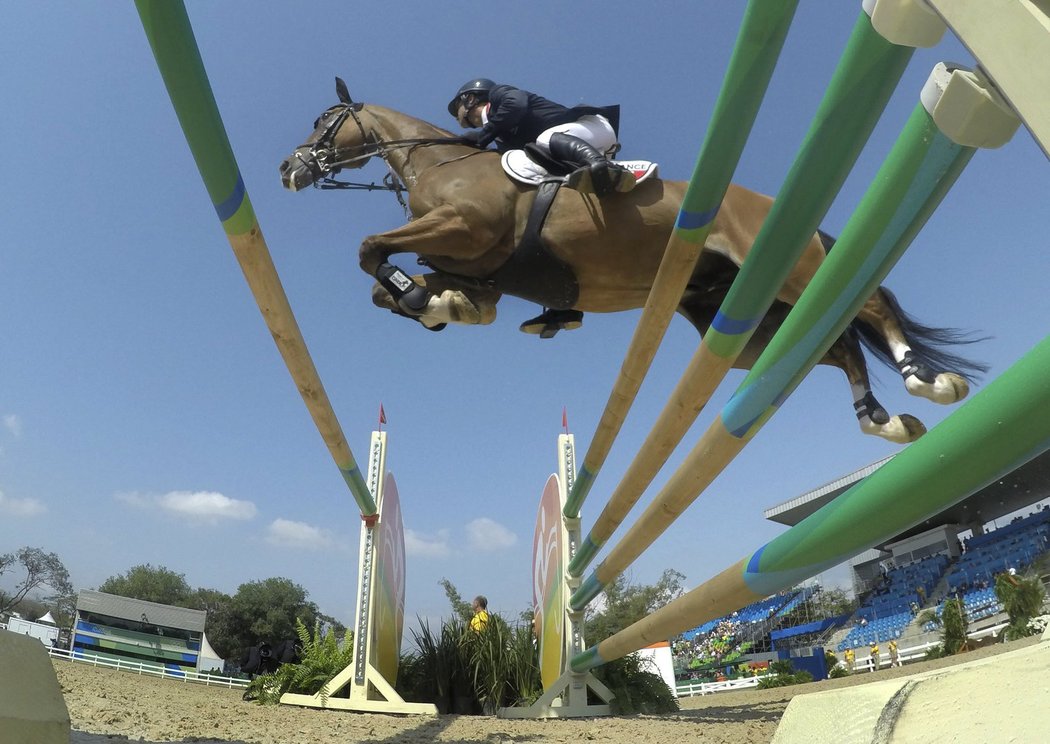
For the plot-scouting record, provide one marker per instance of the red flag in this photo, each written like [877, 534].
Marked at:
[565, 419]
[382, 415]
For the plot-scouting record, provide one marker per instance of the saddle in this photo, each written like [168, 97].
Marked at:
[531, 166]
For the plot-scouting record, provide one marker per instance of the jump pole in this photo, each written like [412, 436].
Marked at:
[956, 114]
[865, 78]
[755, 53]
[171, 37]
[380, 604]
[997, 431]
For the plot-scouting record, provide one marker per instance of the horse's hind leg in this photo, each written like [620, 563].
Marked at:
[882, 315]
[846, 354]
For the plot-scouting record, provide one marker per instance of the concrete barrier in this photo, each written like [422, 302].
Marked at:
[1001, 698]
[32, 710]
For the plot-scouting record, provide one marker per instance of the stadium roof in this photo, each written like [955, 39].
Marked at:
[1023, 487]
[125, 608]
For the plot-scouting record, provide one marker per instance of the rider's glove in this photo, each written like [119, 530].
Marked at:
[479, 137]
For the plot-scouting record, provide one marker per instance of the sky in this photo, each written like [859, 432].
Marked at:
[146, 416]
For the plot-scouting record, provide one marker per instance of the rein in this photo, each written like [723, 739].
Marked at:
[331, 160]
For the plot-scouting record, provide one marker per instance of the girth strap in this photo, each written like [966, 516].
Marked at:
[532, 272]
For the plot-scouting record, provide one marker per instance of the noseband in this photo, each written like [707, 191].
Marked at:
[325, 158]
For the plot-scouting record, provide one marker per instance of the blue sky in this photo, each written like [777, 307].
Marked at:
[147, 417]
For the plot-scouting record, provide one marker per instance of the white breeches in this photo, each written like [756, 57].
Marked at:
[594, 129]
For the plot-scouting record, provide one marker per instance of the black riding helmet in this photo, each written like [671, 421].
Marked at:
[479, 87]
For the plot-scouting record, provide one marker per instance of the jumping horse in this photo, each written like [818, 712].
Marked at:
[468, 218]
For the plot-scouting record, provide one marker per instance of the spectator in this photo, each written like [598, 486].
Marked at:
[481, 614]
[874, 656]
[851, 658]
[894, 658]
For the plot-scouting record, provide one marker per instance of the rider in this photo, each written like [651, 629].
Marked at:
[581, 136]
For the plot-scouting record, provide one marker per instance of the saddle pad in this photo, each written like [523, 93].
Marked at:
[520, 167]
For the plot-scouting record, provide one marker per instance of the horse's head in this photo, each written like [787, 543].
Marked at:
[331, 147]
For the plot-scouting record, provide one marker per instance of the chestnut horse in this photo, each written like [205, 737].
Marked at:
[468, 217]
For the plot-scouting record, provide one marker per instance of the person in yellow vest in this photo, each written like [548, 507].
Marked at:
[874, 656]
[894, 657]
[481, 614]
[851, 658]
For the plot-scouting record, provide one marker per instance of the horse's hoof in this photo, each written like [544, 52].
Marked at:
[946, 388]
[457, 307]
[430, 325]
[901, 429]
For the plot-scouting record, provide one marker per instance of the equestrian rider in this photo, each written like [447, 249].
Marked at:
[581, 136]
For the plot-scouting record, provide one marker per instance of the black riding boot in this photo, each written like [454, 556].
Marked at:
[596, 173]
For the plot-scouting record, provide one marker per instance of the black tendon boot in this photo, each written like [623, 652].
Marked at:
[596, 174]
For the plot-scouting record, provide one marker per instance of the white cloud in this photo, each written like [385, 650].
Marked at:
[290, 534]
[426, 546]
[207, 505]
[13, 424]
[488, 535]
[21, 507]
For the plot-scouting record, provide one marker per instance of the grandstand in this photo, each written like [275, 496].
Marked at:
[956, 553]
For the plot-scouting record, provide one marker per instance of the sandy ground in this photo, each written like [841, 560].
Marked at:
[111, 706]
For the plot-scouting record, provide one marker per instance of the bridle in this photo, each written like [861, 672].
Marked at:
[326, 158]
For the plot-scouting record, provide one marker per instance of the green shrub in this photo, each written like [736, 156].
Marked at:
[782, 673]
[438, 672]
[469, 672]
[504, 664]
[319, 661]
[1022, 598]
[783, 680]
[838, 671]
[637, 689]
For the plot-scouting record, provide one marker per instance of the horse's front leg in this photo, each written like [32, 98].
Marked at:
[439, 232]
[446, 303]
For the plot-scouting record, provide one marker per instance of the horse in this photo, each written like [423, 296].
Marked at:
[468, 218]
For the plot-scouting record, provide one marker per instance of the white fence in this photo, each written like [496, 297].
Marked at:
[690, 689]
[147, 669]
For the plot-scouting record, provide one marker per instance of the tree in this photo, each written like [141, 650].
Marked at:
[42, 570]
[954, 626]
[260, 611]
[1022, 598]
[211, 601]
[145, 582]
[627, 603]
[464, 610]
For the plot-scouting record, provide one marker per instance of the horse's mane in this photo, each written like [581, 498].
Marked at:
[420, 127]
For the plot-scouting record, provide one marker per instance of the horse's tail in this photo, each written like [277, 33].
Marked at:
[926, 343]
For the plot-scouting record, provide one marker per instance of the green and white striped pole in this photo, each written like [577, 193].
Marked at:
[171, 37]
[997, 431]
[755, 54]
[860, 88]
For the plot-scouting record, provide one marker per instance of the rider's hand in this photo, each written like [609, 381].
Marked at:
[477, 137]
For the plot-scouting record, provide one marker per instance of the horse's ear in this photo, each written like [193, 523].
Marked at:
[342, 91]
